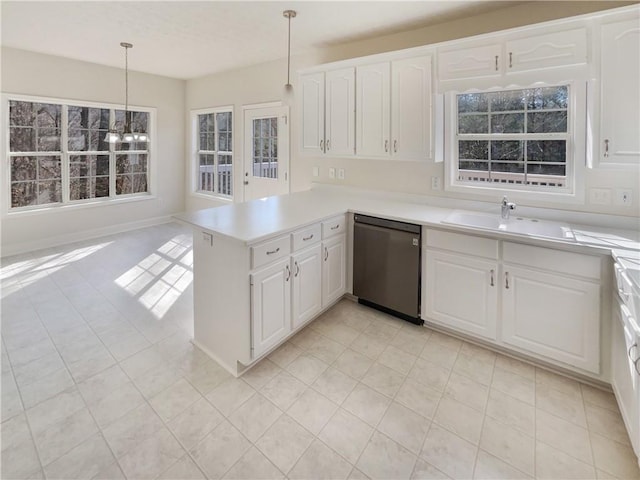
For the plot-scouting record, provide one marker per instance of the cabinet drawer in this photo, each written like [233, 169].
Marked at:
[267, 252]
[334, 226]
[305, 237]
[468, 244]
[569, 263]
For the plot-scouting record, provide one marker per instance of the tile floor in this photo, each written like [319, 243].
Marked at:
[100, 380]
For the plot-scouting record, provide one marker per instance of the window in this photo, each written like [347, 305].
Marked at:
[518, 139]
[58, 154]
[214, 157]
[265, 147]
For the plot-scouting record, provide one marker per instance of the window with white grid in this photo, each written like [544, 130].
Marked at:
[214, 156]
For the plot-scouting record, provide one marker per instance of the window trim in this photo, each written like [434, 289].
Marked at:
[5, 200]
[577, 148]
[195, 152]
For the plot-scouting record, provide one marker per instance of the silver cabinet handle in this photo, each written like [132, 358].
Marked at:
[510, 59]
[297, 269]
[326, 254]
[637, 367]
[395, 146]
[271, 252]
[496, 63]
[492, 282]
[328, 145]
[304, 239]
[386, 145]
[606, 147]
[336, 226]
[506, 280]
[288, 273]
[635, 345]
[322, 145]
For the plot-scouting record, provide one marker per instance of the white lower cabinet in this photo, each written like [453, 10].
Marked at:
[334, 269]
[270, 306]
[552, 315]
[307, 285]
[462, 292]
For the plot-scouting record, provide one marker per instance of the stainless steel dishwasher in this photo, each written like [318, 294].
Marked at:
[386, 266]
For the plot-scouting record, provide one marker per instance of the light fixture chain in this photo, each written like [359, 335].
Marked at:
[289, 52]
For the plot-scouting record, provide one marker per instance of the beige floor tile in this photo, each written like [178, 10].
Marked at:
[84, 461]
[460, 419]
[174, 400]
[511, 411]
[183, 469]
[563, 435]
[206, 376]
[116, 404]
[312, 411]
[319, 461]
[261, 374]
[381, 331]
[615, 458]
[255, 416]
[429, 374]
[99, 386]
[357, 475]
[14, 432]
[404, 426]
[606, 423]
[334, 385]
[141, 362]
[366, 404]
[478, 353]
[307, 337]
[518, 367]
[283, 390]
[55, 409]
[194, 423]
[559, 382]
[509, 445]
[423, 470]
[353, 363]
[489, 467]
[446, 340]
[110, 472]
[467, 391]
[130, 430]
[220, 450]
[599, 397]
[284, 355]
[307, 368]
[346, 434]
[326, 349]
[230, 395]
[156, 380]
[383, 459]
[449, 453]
[253, 465]
[560, 404]
[515, 385]
[19, 460]
[152, 456]
[383, 379]
[59, 438]
[45, 388]
[551, 463]
[368, 345]
[418, 397]
[397, 359]
[467, 365]
[284, 442]
[410, 342]
[341, 333]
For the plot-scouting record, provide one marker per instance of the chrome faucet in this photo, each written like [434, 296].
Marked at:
[507, 206]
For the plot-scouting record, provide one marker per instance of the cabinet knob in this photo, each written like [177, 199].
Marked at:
[328, 145]
[297, 269]
[395, 146]
[288, 273]
[322, 145]
[386, 146]
[326, 254]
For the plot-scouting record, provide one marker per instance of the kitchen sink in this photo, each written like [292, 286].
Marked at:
[515, 224]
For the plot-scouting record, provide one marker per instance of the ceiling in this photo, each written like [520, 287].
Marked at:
[184, 39]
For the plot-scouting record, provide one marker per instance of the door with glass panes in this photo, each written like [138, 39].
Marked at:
[266, 151]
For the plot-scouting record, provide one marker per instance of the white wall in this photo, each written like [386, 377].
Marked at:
[30, 73]
[264, 82]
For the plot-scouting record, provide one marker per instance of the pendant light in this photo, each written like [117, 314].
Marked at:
[127, 135]
[288, 88]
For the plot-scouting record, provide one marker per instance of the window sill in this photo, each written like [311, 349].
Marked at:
[78, 206]
[518, 194]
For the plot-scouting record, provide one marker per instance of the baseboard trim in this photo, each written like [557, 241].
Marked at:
[27, 247]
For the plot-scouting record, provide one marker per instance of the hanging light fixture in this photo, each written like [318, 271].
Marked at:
[289, 14]
[127, 135]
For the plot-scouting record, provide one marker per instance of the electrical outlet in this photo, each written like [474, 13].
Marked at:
[332, 172]
[600, 196]
[623, 197]
[435, 183]
[316, 171]
[341, 173]
[207, 238]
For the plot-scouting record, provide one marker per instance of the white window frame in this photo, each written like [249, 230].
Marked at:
[66, 203]
[195, 154]
[576, 138]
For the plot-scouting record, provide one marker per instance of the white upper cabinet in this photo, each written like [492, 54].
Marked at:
[393, 109]
[340, 111]
[620, 94]
[312, 112]
[515, 55]
[473, 62]
[327, 112]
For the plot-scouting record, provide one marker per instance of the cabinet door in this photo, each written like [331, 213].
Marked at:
[411, 108]
[307, 285]
[334, 269]
[462, 292]
[312, 113]
[270, 306]
[340, 109]
[620, 95]
[544, 51]
[474, 62]
[373, 114]
[552, 315]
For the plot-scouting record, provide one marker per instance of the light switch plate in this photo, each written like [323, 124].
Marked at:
[600, 196]
[207, 238]
[341, 173]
